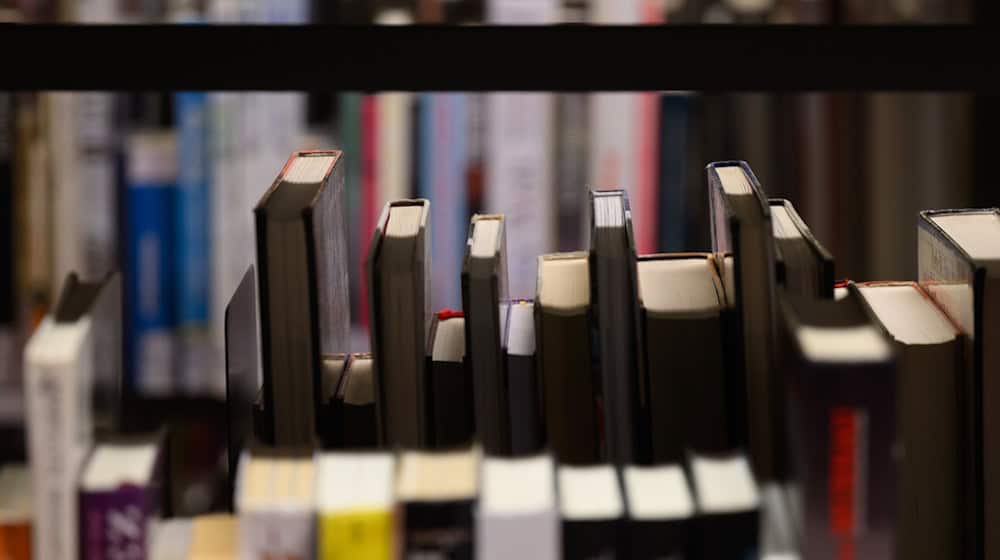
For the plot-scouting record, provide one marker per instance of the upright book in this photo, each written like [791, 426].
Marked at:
[804, 266]
[397, 267]
[242, 362]
[121, 496]
[518, 515]
[613, 291]
[842, 413]
[563, 319]
[354, 504]
[59, 369]
[275, 498]
[523, 381]
[484, 299]
[436, 495]
[741, 226]
[449, 386]
[354, 424]
[959, 264]
[593, 512]
[681, 341]
[660, 508]
[304, 307]
[727, 505]
[930, 375]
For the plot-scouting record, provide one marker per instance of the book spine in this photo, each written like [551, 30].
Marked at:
[393, 141]
[150, 270]
[97, 212]
[277, 534]
[115, 524]
[674, 130]
[438, 530]
[369, 185]
[356, 534]
[192, 250]
[349, 140]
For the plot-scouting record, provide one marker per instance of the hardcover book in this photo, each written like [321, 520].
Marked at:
[593, 512]
[354, 502]
[437, 494]
[660, 509]
[518, 515]
[803, 265]
[304, 308]
[450, 394]
[527, 434]
[275, 499]
[727, 502]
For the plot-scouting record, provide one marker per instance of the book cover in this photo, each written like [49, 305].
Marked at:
[436, 493]
[518, 514]
[359, 521]
[276, 503]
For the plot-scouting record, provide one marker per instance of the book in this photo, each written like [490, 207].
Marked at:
[304, 308]
[354, 505]
[727, 503]
[436, 493]
[442, 167]
[741, 227]
[660, 511]
[571, 166]
[804, 266]
[518, 515]
[682, 343]
[59, 371]
[957, 259]
[781, 521]
[242, 367]
[677, 140]
[397, 269]
[563, 319]
[149, 271]
[16, 511]
[613, 291]
[592, 510]
[121, 494]
[842, 403]
[485, 301]
[275, 500]
[193, 252]
[214, 537]
[527, 434]
[354, 420]
[450, 394]
[170, 539]
[930, 375]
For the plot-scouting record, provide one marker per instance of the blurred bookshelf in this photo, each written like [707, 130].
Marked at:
[861, 124]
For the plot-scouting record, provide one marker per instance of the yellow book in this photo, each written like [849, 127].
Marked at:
[355, 506]
[213, 537]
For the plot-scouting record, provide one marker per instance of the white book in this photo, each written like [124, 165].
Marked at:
[58, 364]
[171, 539]
[518, 513]
[275, 499]
[520, 158]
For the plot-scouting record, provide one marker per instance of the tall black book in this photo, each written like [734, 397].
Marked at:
[484, 300]
[242, 386]
[449, 385]
[565, 359]
[304, 306]
[803, 265]
[437, 495]
[741, 226]
[660, 511]
[681, 348]
[727, 503]
[523, 384]
[613, 291]
[929, 378]
[842, 402]
[593, 512]
[959, 266]
[399, 302]
[353, 423]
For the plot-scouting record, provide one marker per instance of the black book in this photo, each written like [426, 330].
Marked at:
[727, 505]
[660, 511]
[242, 386]
[484, 300]
[741, 227]
[802, 265]
[397, 268]
[449, 385]
[304, 306]
[959, 266]
[564, 358]
[842, 414]
[523, 384]
[354, 403]
[613, 292]
[593, 512]
[681, 341]
[437, 496]
[929, 376]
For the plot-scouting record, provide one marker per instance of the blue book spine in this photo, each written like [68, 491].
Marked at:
[149, 267]
[193, 232]
[444, 160]
[675, 109]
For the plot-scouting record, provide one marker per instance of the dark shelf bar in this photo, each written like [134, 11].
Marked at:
[561, 58]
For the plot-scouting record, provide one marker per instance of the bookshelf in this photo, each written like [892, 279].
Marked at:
[557, 58]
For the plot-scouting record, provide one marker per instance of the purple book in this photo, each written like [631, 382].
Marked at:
[120, 494]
